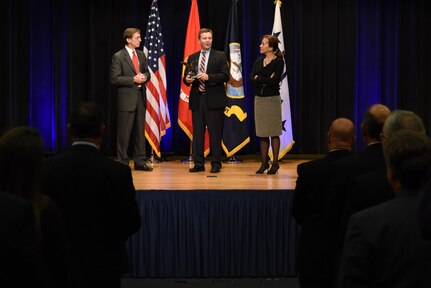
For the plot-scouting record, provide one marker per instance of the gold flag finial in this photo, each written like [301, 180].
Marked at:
[277, 2]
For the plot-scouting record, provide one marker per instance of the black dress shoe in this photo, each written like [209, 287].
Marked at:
[143, 167]
[197, 169]
[274, 169]
[215, 169]
[262, 168]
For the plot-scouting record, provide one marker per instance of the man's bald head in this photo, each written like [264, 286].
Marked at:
[341, 134]
[380, 112]
[374, 118]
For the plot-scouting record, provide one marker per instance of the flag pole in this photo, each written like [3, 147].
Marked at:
[190, 158]
[232, 159]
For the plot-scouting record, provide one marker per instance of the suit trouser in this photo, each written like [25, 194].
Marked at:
[213, 119]
[126, 120]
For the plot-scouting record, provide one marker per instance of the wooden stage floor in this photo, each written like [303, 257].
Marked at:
[174, 175]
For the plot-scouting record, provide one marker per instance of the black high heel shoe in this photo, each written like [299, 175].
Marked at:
[262, 168]
[274, 169]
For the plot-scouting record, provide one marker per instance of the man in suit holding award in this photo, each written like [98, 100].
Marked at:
[207, 99]
[129, 73]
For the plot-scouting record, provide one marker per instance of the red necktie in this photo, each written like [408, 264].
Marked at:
[202, 70]
[135, 62]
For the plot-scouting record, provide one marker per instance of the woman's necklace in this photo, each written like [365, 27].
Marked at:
[266, 62]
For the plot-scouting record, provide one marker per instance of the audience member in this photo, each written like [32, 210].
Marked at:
[21, 162]
[345, 170]
[21, 261]
[383, 246]
[315, 252]
[373, 188]
[424, 212]
[265, 78]
[97, 198]
[399, 120]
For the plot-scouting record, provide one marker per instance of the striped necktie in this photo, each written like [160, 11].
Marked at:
[202, 70]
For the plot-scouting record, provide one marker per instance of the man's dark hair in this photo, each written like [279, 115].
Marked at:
[86, 121]
[129, 32]
[408, 155]
[204, 30]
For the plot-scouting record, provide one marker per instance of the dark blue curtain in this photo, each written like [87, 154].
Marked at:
[342, 56]
[214, 233]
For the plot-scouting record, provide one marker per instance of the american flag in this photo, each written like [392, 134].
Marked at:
[157, 118]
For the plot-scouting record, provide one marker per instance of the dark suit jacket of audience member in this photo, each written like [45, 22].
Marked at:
[424, 212]
[214, 87]
[97, 198]
[21, 260]
[314, 251]
[55, 244]
[383, 247]
[342, 185]
[371, 188]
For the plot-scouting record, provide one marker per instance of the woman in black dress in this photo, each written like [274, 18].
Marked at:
[265, 77]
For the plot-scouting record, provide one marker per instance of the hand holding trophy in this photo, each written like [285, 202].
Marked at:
[191, 69]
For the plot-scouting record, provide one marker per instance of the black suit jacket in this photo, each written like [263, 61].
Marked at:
[371, 188]
[383, 247]
[97, 198]
[122, 72]
[315, 255]
[343, 186]
[21, 260]
[218, 74]
[424, 213]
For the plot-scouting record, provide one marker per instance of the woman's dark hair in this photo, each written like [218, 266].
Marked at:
[21, 163]
[273, 43]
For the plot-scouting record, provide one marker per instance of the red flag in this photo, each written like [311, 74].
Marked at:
[157, 118]
[191, 46]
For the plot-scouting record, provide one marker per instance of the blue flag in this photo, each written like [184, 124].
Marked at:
[235, 133]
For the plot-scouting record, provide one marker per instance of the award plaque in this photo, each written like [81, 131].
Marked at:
[192, 69]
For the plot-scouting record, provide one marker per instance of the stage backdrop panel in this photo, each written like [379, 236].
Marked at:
[214, 233]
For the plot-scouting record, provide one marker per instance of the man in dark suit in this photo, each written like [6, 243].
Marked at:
[383, 246]
[315, 255]
[21, 259]
[345, 170]
[129, 73]
[424, 213]
[207, 99]
[373, 188]
[97, 199]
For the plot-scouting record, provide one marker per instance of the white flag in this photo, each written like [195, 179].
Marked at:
[286, 139]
